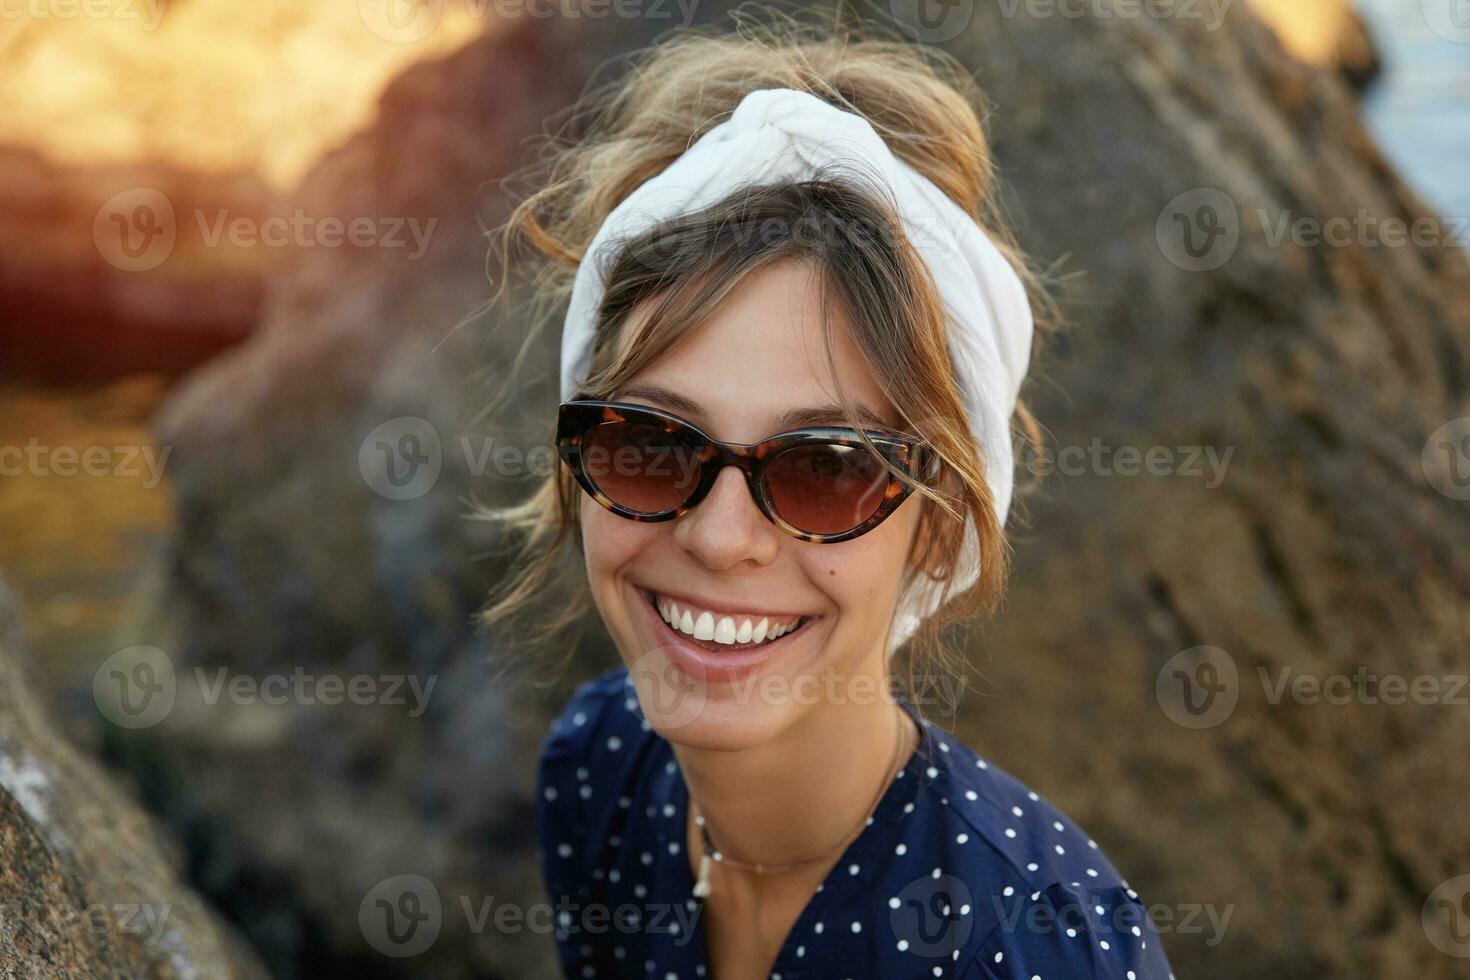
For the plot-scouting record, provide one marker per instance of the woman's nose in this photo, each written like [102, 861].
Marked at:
[726, 527]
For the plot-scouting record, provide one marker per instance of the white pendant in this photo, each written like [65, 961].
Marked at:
[701, 887]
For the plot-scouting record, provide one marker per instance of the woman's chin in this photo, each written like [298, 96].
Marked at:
[721, 727]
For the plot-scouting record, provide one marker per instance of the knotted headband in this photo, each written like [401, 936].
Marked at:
[783, 134]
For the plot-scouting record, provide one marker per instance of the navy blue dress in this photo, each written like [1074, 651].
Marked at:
[962, 872]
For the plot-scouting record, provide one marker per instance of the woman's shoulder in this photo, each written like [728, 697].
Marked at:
[593, 741]
[1052, 900]
[585, 764]
[604, 708]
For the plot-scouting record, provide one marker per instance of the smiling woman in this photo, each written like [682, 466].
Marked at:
[791, 360]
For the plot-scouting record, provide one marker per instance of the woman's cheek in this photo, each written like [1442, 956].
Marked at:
[609, 543]
[861, 576]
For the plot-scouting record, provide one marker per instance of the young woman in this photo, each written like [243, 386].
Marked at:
[791, 359]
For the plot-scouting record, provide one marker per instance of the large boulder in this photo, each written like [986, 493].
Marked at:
[322, 474]
[1315, 371]
[90, 886]
[296, 550]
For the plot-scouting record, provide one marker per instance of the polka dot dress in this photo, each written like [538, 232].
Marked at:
[963, 872]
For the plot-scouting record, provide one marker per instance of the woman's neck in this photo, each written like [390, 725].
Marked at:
[805, 792]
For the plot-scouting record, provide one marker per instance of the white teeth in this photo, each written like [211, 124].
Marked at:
[724, 629]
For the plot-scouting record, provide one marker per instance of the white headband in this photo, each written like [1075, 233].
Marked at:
[784, 134]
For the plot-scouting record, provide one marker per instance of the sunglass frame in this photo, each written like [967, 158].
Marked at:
[576, 418]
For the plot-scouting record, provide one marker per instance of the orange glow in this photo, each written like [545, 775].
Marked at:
[1319, 32]
[209, 85]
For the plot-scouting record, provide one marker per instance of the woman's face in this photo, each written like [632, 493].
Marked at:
[757, 359]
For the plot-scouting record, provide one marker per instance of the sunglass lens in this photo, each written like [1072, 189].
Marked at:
[641, 466]
[826, 488]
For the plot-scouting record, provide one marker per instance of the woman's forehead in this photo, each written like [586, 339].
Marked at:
[760, 358]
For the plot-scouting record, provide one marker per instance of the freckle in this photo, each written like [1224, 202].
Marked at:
[831, 571]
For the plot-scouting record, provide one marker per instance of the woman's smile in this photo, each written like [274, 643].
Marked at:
[714, 641]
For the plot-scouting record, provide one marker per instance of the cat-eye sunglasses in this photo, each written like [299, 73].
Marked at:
[821, 484]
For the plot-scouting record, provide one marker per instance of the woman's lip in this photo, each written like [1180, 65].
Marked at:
[696, 661]
[684, 599]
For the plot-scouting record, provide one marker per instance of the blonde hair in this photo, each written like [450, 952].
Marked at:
[929, 110]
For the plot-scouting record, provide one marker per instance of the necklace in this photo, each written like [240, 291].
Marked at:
[710, 851]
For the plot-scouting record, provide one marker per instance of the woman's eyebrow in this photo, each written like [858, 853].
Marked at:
[658, 393]
[799, 418]
[795, 418]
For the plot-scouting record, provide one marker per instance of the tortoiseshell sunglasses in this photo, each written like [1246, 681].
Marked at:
[820, 484]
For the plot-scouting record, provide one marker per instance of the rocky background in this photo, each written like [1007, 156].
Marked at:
[290, 547]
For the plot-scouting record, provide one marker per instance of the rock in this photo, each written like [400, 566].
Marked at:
[1324, 547]
[299, 553]
[89, 885]
[1321, 547]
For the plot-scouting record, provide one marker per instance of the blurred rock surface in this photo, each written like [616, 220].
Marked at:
[89, 884]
